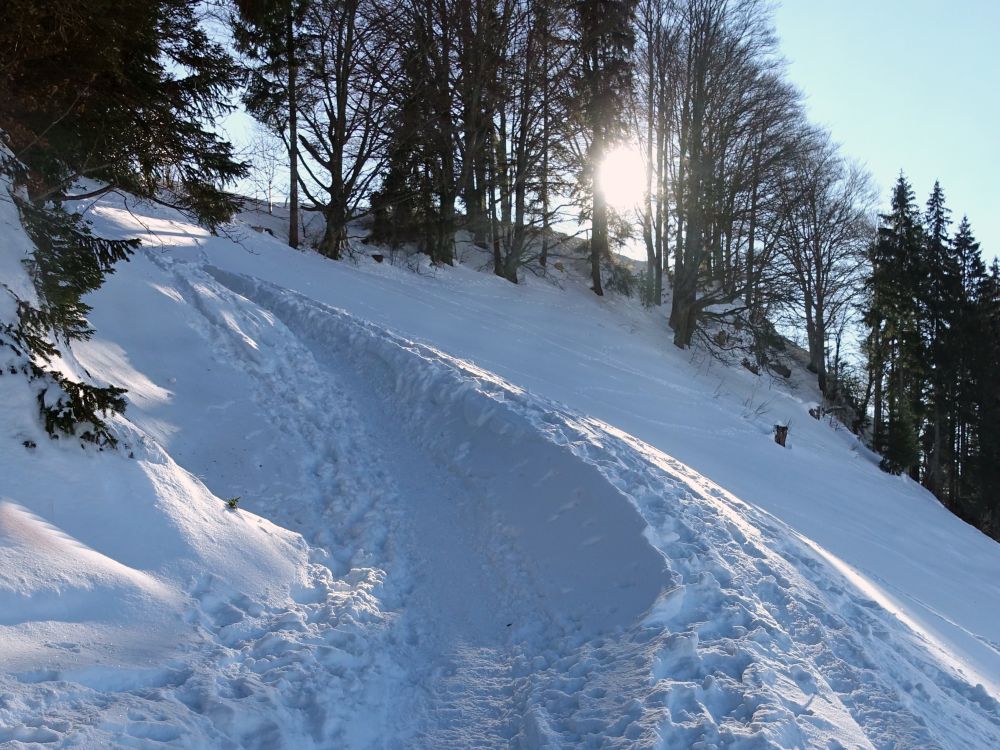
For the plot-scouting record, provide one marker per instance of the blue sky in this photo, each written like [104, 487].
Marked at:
[911, 85]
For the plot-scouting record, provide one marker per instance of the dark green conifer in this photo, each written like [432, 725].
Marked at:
[120, 93]
[895, 346]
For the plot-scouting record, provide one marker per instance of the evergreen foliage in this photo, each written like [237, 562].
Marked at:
[69, 261]
[896, 356]
[939, 307]
[982, 502]
[117, 92]
[933, 348]
[113, 92]
[403, 207]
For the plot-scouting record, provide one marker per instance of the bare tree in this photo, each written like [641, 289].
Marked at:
[731, 115]
[267, 157]
[342, 102]
[523, 161]
[658, 33]
[828, 207]
[605, 37]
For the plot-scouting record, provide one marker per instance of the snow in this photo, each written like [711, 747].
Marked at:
[496, 516]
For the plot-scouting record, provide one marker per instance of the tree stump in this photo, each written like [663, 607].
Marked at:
[781, 434]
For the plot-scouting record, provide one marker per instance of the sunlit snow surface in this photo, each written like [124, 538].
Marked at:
[528, 522]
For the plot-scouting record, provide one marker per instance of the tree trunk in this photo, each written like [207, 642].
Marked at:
[877, 397]
[684, 315]
[544, 186]
[293, 135]
[335, 233]
[750, 297]
[598, 240]
[599, 213]
[932, 480]
[494, 231]
[647, 205]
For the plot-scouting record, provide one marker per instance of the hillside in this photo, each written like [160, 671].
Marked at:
[472, 514]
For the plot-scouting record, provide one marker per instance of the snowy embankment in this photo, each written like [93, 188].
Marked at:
[497, 548]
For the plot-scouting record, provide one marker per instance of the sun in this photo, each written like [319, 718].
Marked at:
[621, 177]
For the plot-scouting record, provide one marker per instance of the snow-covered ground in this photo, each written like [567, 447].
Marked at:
[472, 514]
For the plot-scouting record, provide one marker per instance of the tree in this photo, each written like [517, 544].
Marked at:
[734, 114]
[482, 29]
[402, 207]
[982, 503]
[530, 75]
[269, 34]
[894, 345]
[117, 93]
[426, 95]
[940, 306]
[657, 57]
[826, 205]
[267, 156]
[604, 81]
[342, 103]
[969, 367]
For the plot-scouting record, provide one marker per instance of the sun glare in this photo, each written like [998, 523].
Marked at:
[621, 177]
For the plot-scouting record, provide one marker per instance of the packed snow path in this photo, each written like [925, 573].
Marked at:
[504, 561]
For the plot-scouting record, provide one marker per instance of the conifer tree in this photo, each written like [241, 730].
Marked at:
[968, 369]
[895, 344]
[985, 503]
[268, 34]
[939, 308]
[113, 92]
[422, 174]
[119, 93]
[402, 208]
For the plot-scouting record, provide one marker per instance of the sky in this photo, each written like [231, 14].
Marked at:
[910, 85]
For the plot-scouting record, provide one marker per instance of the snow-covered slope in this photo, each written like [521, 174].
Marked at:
[528, 521]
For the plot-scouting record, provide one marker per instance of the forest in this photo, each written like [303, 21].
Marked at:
[424, 118]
